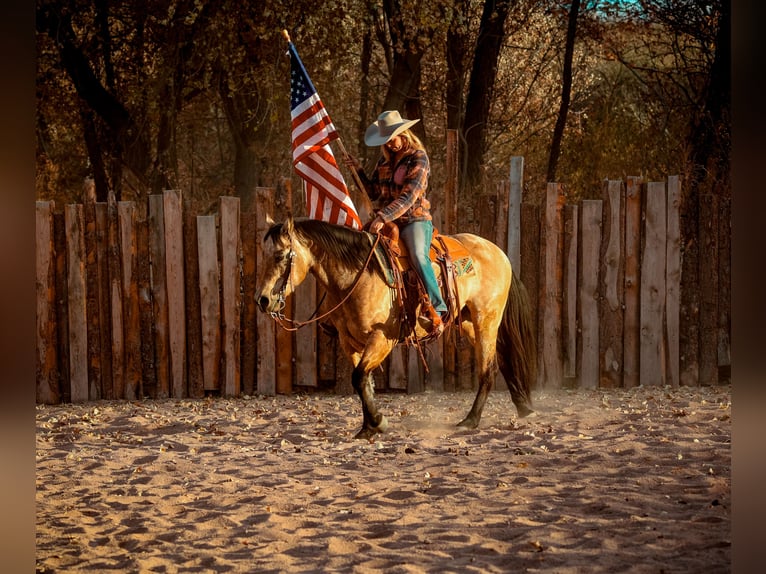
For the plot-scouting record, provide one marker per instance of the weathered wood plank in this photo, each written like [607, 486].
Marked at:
[62, 312]
[95, 380]
[652, 359]
[126, 213]
[76, 305]
[590, 240]
[195, 377]
[115, 298]
[673, 279]
[571, 215]
[249, 277]
[148, 366]
[551, 288]
[708, 284]
[724, 289]
[174, 275]
[632, 322]
[230, 284]
[612, 286]
[104, 311]
[210, 303]
[266, 361]
[159, 294]
[514, 212]
[46, 368]
[397, 368]
[306, 337]
[530, 269]
[285, 340]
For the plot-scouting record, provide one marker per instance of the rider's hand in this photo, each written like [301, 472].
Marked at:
[376, 224]
[352, 163]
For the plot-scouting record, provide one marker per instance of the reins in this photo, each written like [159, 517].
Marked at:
[286, 322]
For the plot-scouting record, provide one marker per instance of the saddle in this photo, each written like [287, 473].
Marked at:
[452, 259]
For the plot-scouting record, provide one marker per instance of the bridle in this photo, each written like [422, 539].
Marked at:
[287, 323]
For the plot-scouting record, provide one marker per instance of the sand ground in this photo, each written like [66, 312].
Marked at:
[596, 481]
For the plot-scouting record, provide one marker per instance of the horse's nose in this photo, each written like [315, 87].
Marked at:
[262, 302]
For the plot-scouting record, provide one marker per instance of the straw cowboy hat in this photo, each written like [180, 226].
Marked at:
[388, 125]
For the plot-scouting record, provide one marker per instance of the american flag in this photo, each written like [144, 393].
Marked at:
[327, 196]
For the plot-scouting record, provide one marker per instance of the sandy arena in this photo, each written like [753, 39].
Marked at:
[596, 481]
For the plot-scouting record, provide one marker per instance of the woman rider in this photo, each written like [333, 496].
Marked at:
[399, 183]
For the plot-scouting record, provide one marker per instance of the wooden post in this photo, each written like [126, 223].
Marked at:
[174, 265]
[248, 239]
[93, 303]
[708, 282]
[451, 185]
[78, 329]
[115, 298]
[570, 290]
[514, 212]
[46, 384]
[62, 298]
[449, 349]
[551, 288]
[306, 338]
[159, 294]
[612, 285]
[266, 363]
[673, 280]
[101, 213]
[126, 213]
[652, 360]
[590, 233]
[148, 360]
[724, 288]
[195, 376]
[530, 268]
[397, 369]
[284, 339]
[210, 304]
[229, 210]
[632, 324]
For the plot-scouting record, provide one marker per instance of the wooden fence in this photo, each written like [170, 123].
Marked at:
[158, 300]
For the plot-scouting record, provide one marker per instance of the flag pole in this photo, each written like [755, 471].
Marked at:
[357, 180]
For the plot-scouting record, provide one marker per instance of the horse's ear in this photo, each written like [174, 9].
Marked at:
[288, 226]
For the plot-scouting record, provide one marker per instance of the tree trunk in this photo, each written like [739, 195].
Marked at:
[480, 90]
[457, 47]
[566, 92]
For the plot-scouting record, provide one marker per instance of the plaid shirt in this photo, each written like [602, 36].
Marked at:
[401, 190]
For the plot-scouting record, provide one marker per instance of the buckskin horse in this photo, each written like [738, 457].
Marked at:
[492, 310]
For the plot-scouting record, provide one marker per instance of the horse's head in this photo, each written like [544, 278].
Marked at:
[284, 265]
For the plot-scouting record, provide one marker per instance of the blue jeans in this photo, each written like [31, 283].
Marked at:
[417, 238]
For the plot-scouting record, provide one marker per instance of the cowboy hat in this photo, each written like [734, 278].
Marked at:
[388, 125]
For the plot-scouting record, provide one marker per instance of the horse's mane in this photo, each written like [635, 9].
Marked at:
[348, 246]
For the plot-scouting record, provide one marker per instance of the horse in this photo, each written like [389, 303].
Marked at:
[494, 311]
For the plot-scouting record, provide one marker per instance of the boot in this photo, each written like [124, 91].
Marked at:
[428, 311]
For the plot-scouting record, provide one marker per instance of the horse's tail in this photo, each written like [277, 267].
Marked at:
[517, 347]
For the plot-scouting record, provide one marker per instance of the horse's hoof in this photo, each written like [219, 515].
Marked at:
[382, 425]
[524, 411]
[368, 432]
[468, 423]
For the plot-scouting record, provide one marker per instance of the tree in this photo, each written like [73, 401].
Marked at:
[566, 90]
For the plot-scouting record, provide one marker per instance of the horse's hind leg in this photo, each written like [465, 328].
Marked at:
[486, 378]
[372, 420]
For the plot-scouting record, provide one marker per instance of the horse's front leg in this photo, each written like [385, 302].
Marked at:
[372, 420]
[376, 350]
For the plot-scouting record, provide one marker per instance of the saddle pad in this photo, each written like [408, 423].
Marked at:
[458, 253]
